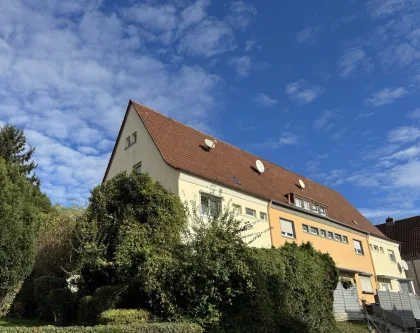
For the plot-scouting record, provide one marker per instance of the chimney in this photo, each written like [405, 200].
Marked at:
[390, 221]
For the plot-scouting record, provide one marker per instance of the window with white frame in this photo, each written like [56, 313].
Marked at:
[329, 234]
[337, 237]
[250, 212]
[210, 205]
[381, 249]
[305, 228]
[366, 283]
[406, 287]
[391, 256]
[358, 248]
[322, 211]
[315, 208]
[237, 210]
[314, 231]
[345, 239]
[298, 202]
[306, 205]
[263, 216]
[287, 228]
[137, 168]
[323, 233]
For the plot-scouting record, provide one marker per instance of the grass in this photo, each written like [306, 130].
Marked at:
[352, 327]
[9, 322]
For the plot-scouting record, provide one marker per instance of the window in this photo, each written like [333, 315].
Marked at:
[315, 208]
[345, 239]
[314, 231]
[210, 205]
[391, 256]
[337, 237]
[298, 202]
[263, 216]
[323, 233]
[127, 142]
[305, 228]
[405, 287]
[237, 210]
[381, 249]
[306, 205]
[358, 249]
[375, 248]
[287, 228]
[366, 283]
[322, 211]
[137, 168]
[250, 212]
[329, 234]
[134, 138]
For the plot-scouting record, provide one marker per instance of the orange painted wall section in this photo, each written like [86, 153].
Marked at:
[343, 254]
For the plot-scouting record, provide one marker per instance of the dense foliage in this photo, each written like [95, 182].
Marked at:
[42, 287]
[140, 328]
[124, 317]
[21, 208]
[13, 150]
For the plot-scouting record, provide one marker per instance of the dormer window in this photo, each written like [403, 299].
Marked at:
[308, 204]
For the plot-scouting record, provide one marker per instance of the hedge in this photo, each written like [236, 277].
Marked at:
[42, 287]
[140, 328]
[123, 317]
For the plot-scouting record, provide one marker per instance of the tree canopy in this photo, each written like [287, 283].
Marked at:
[21, 207]
[13, 149]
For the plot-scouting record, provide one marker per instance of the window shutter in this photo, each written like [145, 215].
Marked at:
[366, 283]
[287, 227]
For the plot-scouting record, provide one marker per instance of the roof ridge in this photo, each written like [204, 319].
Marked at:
[243, 150]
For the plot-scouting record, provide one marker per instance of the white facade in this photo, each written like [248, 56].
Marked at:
[188, 187]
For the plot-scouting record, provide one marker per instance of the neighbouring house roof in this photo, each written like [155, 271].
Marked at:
[406, 231]
[183, 148]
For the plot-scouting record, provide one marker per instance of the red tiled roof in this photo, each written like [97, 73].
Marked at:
[183, 148]
[406, 231]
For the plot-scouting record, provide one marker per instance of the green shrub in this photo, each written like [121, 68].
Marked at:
[62, 302]
[42, 287]
[140, 328]
[123, 317]
[86, 312]
[106, 298]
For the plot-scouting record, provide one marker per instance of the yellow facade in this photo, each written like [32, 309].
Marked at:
[388, 268]
[350, 264]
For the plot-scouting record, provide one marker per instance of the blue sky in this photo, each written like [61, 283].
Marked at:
[326, 89]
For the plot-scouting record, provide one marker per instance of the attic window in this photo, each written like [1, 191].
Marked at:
[311, 205]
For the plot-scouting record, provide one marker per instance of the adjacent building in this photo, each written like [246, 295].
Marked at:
[283, 206]
[407, 232]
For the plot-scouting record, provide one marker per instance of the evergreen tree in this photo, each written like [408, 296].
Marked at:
[13, 150]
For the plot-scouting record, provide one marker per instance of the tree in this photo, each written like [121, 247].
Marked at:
[13, 150]
[128, 235]
[21, 209]
[54, 247]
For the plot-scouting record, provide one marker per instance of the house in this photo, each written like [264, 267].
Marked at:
[282, 205]
[407, 232]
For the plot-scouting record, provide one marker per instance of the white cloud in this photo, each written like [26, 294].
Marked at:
[286, 139]
[415, 114]
[241, 15]
[380, 214]
[324, 121]
[354, 60]
[68, 72]
[302, 92]
[379, 8]
[265, 100]
[404, 134]
[160, 18]
[249, 45]
[385, 96]
[406, 154]
[309, 35]
[208, 38]
[242, 65]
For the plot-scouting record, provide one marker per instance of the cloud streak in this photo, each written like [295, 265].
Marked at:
[302, 92]
[385, 96]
